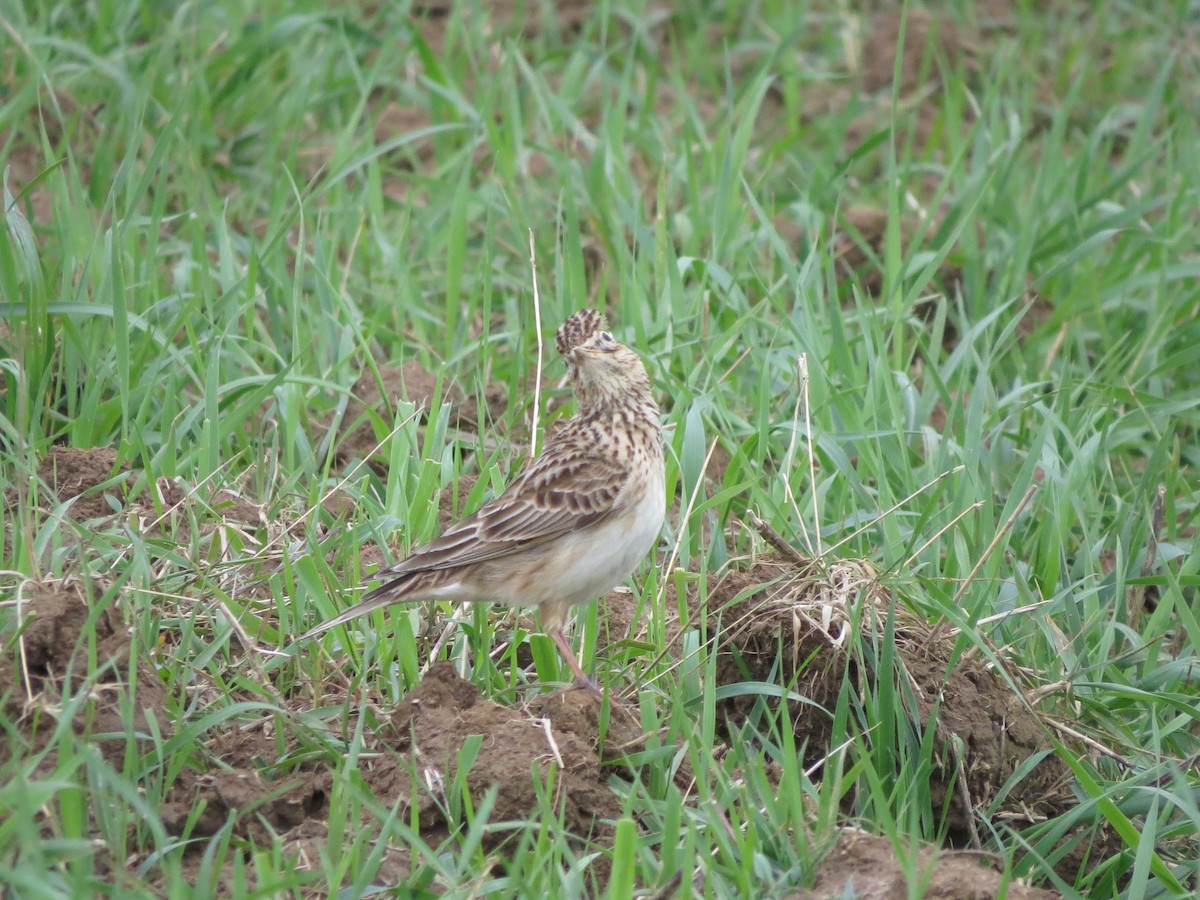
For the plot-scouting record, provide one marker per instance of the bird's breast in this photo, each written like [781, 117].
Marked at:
[585, 564]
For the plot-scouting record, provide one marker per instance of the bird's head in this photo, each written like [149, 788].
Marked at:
[577, 328]
[600, 367]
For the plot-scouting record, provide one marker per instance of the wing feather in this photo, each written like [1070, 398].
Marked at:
[557, 494]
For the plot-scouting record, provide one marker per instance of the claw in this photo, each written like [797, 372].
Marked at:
[589, 684]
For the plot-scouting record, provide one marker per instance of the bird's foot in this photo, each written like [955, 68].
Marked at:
[589, 684]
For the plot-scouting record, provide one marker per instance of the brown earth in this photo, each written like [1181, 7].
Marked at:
[930, 41]
[858, 250]
[99, 487]
[868, 868]
[234, 775]
[784, 624]
[60, 620]
[77, 474]
[859, 247]
[374, 399]
[412, 759]
[932, 45]
[562, 16]
[556, 731]
[26, 160]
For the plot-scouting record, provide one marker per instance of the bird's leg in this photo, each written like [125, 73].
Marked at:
[582, 680]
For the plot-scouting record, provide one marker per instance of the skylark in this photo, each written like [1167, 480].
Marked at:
[578, 519]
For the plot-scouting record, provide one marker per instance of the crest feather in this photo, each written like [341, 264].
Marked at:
[577, 328]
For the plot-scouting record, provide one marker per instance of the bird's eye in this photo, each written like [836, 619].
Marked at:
[607, 337]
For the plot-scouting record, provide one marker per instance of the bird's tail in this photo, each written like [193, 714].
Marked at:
[395, 591]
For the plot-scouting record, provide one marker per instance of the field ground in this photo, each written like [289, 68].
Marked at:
[925, 327]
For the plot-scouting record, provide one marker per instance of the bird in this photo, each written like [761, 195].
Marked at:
[578, 519]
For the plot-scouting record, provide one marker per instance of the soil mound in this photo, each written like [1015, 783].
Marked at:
[795, 626]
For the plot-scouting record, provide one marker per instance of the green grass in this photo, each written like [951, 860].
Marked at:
[208, 242]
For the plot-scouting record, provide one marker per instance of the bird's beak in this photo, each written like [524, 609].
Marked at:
[582, 351]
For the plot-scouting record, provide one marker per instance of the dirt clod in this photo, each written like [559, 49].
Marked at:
[932, 45]
[444, 712]
[927, 37]
[259, 806]
[75, 474]
[54, 621]
[377, 397]
[786, 625]
[58, 622]
[867, 867]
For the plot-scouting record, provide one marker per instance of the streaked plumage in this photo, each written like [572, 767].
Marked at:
[578, 519]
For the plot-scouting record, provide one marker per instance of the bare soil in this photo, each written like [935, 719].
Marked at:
[99, 487]
[240, 775]
[790, 625]
[932, 46]
[371, 411]
[26, 160]
[932, 43]
[868, 868]
[60, 622]
[78, 474]
[374, 399]
[412, 761]
[559, 730]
